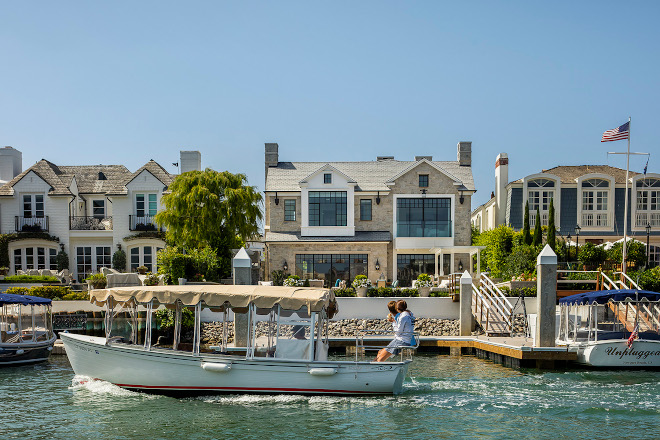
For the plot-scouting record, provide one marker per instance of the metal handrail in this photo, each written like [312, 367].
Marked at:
[612, 285]
[479, 301]
[501, 303]
[499, 292]
[31, 222]
[622, 276]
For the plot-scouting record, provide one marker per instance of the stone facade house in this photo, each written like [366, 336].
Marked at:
[387, 219]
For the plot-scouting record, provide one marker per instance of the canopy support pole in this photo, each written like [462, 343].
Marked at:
[198, 329]
[147, 332]
[177, 326]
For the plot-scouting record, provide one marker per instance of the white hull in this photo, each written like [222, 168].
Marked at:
[616, 354]
[169, 372]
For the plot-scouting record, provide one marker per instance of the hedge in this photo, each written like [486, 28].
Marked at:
[55, 293]
[30, 279]
[387, 292]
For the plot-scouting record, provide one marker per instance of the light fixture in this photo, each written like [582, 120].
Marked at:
[577, 240]
[377, 264]
[460, 265]
[119, 246]
[277, 201]
[461, 199]
[62, 246]
[377, 197]
[285, 266]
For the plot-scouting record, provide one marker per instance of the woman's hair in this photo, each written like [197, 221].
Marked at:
[392, 307]
[401, 306]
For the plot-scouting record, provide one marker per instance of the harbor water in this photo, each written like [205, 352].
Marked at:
[445, 397]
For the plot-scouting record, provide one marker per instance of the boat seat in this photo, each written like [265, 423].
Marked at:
[292, 349]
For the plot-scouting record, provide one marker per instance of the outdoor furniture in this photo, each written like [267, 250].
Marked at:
[315, 283]
[381, 283]
[123, 280]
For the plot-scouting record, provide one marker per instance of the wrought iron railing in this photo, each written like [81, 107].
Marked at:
[84, 223]
[142, 223]
[31, 224]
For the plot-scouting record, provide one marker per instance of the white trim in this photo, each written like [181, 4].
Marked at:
[454, 179]
[556, 198]
[423, 242]
[610, 201]
[633, 208]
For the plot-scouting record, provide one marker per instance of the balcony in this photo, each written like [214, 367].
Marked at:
[595, 220]
[647, 218]
[84, 223]
[31, 224]
[142, 223]
[532, 218]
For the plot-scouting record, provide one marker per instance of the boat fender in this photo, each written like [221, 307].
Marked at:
[216, 367]
[20, 351]
[322, 371]
[50, 348]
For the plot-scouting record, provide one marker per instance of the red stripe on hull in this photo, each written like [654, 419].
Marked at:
[295, 390]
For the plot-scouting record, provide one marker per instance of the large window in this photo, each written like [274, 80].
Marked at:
[289, 210]
[648, 203]
[144, 256]
[409, 266]
[539, 193]
[595, 200]
[327, 208]
[365, 209]
[146, 205]
[423, 217]
[35, 257]
[331, 267]
[90, 259]
[33, 205]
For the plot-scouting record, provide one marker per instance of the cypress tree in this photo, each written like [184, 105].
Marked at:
[551, 226]
[527, 237]
[538, 232]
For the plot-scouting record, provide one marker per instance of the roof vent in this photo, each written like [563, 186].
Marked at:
[102, 176]
[382, 158]
[418, 158]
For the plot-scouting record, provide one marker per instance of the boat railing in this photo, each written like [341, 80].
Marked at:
[361, 348]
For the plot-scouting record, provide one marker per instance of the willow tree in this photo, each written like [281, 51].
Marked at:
[211, 208]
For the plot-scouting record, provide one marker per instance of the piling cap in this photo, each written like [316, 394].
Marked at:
[242, 259]
[547, 256]
[466, 278]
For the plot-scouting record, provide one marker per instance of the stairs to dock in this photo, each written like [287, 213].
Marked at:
[491, 309]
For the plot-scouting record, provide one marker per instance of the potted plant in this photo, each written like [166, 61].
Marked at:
[424, 284]
[361, 284]
[4, 270]
[151, 280]
[142, 270]
[293, 281]
[96, 281]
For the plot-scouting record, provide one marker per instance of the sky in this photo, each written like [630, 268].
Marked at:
[123, 82]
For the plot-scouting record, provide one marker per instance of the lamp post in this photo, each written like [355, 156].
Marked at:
[568, 257]
[577, 240]
[648, 248]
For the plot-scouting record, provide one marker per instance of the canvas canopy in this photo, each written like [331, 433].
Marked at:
[603, 296]
[265, 297]
[8, 298]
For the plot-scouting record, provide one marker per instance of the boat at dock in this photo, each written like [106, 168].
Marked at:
[293, 360]
[26, 329]
[612, 328]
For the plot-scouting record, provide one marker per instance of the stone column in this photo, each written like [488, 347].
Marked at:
[546, 297]
[466, 318]
[242, 274]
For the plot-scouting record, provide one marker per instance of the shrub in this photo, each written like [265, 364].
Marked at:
[361, 281]
[50, 292]
[151, 280]
[30, 279]
[522, 259]
[635, 253]
[293, 281]
[647, 279]
[524, 291]
[424, 280]
[97, 281]
[173, 262]
[119, 260]
[278, 277]
[62, 260]
[165, 319]
[592, 255]
[498, 242]
[76, 296]
[347, 292]
[18, 290]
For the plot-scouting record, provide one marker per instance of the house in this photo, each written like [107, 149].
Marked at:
[589, 202]
[87, 211]
[387, 219]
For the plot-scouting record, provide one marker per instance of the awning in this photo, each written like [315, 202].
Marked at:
[603, 296]
[264, 297]
[26, 300]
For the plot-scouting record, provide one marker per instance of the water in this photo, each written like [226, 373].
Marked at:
[446, 397]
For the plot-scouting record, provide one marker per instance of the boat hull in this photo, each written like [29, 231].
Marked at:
[14, 354]
[177, 373]
[616, 354]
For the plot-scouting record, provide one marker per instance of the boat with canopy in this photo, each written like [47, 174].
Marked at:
[26, 329]
[612, 328]
[292, 358]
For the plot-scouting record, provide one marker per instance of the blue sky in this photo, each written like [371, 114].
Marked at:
[124, 82]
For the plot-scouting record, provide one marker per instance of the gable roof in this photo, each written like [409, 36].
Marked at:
[152, 167]
[569, 173]
[369, 175]
[424, 161]
[328, 167]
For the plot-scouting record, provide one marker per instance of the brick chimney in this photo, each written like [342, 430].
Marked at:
[501, 180]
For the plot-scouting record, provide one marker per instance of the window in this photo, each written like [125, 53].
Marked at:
[18, 260]
[595, 195]
[365, 209]
[423, 180]
[144, 256]
[409, 266]
[423, 217]
[52, 260]
[327, 178]
[37, 257]
[539, 195]
[648, 203]
[90, 259]
[146, 205]
[33, 205]
[103, 257]
[98, 208]
[289, 210]
[331, 267]
[327, 208]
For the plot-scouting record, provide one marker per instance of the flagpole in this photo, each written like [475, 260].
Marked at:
[625, 208]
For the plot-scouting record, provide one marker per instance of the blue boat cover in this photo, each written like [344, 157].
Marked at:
[603, 296]
[7, 298]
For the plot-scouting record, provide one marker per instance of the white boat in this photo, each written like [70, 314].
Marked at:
[612, 328]
[26, 329]
[283, 364]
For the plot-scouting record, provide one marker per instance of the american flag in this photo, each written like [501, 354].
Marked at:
[619, 133]
[634, 335]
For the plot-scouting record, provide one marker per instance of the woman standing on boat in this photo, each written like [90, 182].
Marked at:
[404, 326]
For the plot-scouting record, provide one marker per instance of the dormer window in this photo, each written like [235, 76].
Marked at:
[595, 203]
[648, 203]
[423, 180]
[327, 178]
[539, 193]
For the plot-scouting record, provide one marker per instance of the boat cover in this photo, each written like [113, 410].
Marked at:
[8, 298]
[603, 296]
[289, 298]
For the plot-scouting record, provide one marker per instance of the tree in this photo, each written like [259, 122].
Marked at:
[551, 226]
[211, 208]
[498, 242]
[538, 232]
[527, 237]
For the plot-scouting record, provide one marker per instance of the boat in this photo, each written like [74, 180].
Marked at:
[26, 329]
[291, 359]
[612, 328]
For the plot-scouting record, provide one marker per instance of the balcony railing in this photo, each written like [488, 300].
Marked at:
[647, 218]
[142, 223]
[84, 223]
[31, 224]
[532, 218]
[595, 220]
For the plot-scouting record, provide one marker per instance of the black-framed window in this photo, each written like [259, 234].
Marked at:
[423, 180]
[98, 208]
[423, 217]
[409, 266]
[327, 178]
[331, 267]
[289, 210]
[327, 208]
[365, 209]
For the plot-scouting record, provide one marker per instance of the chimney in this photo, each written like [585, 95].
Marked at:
[501, 180]
[464, 154]
[272, 156]
[11, 163]
[190, 161]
